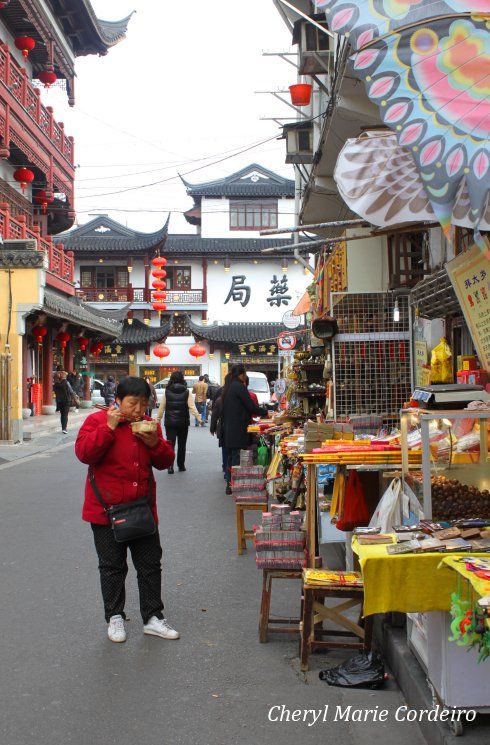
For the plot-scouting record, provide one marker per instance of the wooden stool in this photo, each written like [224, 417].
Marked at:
[265, 620]
[314, 611]
[241, 533]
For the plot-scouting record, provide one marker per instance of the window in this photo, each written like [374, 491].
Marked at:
[180, 326]
[104, 277]
[253, 215]
[178, 277]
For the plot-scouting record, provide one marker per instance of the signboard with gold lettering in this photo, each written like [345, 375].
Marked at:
[470, 274]
[259, 347]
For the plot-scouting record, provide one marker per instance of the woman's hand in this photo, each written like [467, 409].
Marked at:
[150, 439]
[114, 416]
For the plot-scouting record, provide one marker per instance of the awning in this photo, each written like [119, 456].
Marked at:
[80, 314]
[304, 305]
[379, 180]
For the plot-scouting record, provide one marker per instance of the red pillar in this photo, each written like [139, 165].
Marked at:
[48, 369]
[25, 392]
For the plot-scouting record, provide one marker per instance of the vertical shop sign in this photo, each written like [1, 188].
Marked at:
[470, 274]
[420, 348]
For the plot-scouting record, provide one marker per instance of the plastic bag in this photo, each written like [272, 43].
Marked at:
[388, 511]
[355, 512]
[263, 455]
[441, 363]
[361, 671]
[412, 511]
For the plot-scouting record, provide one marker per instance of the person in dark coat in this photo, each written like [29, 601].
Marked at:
[238, 410]
[177, 404]
[216, 428]
[109, 391]
[63, 392]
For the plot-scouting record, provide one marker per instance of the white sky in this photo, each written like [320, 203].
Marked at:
[180, 87]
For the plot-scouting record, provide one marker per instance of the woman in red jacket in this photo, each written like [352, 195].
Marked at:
[121, 462]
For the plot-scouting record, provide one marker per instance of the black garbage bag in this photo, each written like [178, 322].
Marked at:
[359, 671]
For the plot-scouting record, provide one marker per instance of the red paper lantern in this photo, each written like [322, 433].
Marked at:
[161, 350]
[197, 350]
[82, 343]
[158, 284]
[159, 306]
[39, 332]
[96, 348]
[159, 295]
[26, 44]
[47, 77]
[63, 338]
[159, 261]
[43, 199]
[24, 176]
[301, 94]
[4, 4]
[159, 273]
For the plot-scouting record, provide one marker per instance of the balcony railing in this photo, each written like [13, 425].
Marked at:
[61, 264]
[137, 295]
[16, 80]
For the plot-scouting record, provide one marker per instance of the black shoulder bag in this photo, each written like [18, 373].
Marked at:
[129, 520]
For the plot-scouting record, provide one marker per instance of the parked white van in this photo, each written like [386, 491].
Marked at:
[259, 384]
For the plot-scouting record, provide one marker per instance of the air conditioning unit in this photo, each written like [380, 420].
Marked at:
[315, 47]
[299, 142]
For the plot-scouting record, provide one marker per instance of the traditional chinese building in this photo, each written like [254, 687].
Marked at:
[39, 43]
[221, 288]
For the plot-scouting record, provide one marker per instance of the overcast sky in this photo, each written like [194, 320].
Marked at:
[181, 87]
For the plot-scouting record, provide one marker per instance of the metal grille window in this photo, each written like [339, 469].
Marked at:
[180, 326]
[372, 354]
[253, 215]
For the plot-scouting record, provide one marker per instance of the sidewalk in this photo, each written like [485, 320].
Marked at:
[38, 426]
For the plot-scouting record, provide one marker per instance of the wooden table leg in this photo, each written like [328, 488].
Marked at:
[368, 633]
[239, 529]
[242, 528]
[306, 629]
[265, 607]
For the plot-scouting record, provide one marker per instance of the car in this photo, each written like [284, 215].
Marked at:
[259, 385]
[96, 391]
[191, 380]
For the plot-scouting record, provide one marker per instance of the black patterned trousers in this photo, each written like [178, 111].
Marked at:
[146, 554]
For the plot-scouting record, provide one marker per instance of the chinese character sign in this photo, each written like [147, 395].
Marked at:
[469, 272]
[278, 291]
[239, 291]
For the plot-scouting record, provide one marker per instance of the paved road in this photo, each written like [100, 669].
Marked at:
[62, 681]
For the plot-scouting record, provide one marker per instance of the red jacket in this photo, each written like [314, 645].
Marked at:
[121, 464]
[254, 398]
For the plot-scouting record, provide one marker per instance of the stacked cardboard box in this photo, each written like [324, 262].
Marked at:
[248, 484]
[316, 433]
[280, 542]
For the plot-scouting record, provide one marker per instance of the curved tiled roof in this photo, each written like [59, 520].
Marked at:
[237, 333]
[249, 182]
[138, 333]
[104, 234]
[104, 34]
[77, 312]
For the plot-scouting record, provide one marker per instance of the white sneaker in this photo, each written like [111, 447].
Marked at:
[116, 631]
[64, 432]
[160, 627]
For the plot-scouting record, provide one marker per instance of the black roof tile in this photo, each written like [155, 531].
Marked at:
[138, 333]
[252, 181]
[77, 312]
[237, 333]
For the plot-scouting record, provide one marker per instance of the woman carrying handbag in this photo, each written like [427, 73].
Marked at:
[120, 504]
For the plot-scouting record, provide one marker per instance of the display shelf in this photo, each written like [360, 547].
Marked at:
[311, 394]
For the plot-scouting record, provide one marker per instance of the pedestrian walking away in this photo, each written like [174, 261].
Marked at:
[121, 463]
[216, 426]
[109, 391]
[64, 394]
[237, 413]
[200, 391]
[176, 405]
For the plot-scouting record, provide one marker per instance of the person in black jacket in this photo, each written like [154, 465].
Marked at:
[216, 427]
[64, 394]
[238, 410]
[177, 404]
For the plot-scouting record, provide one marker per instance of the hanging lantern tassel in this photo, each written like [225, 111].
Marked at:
[43, 200]
[39, 332]
[63, 338]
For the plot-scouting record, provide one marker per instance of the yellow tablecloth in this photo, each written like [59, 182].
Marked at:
[481, 586]
[408, 583]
